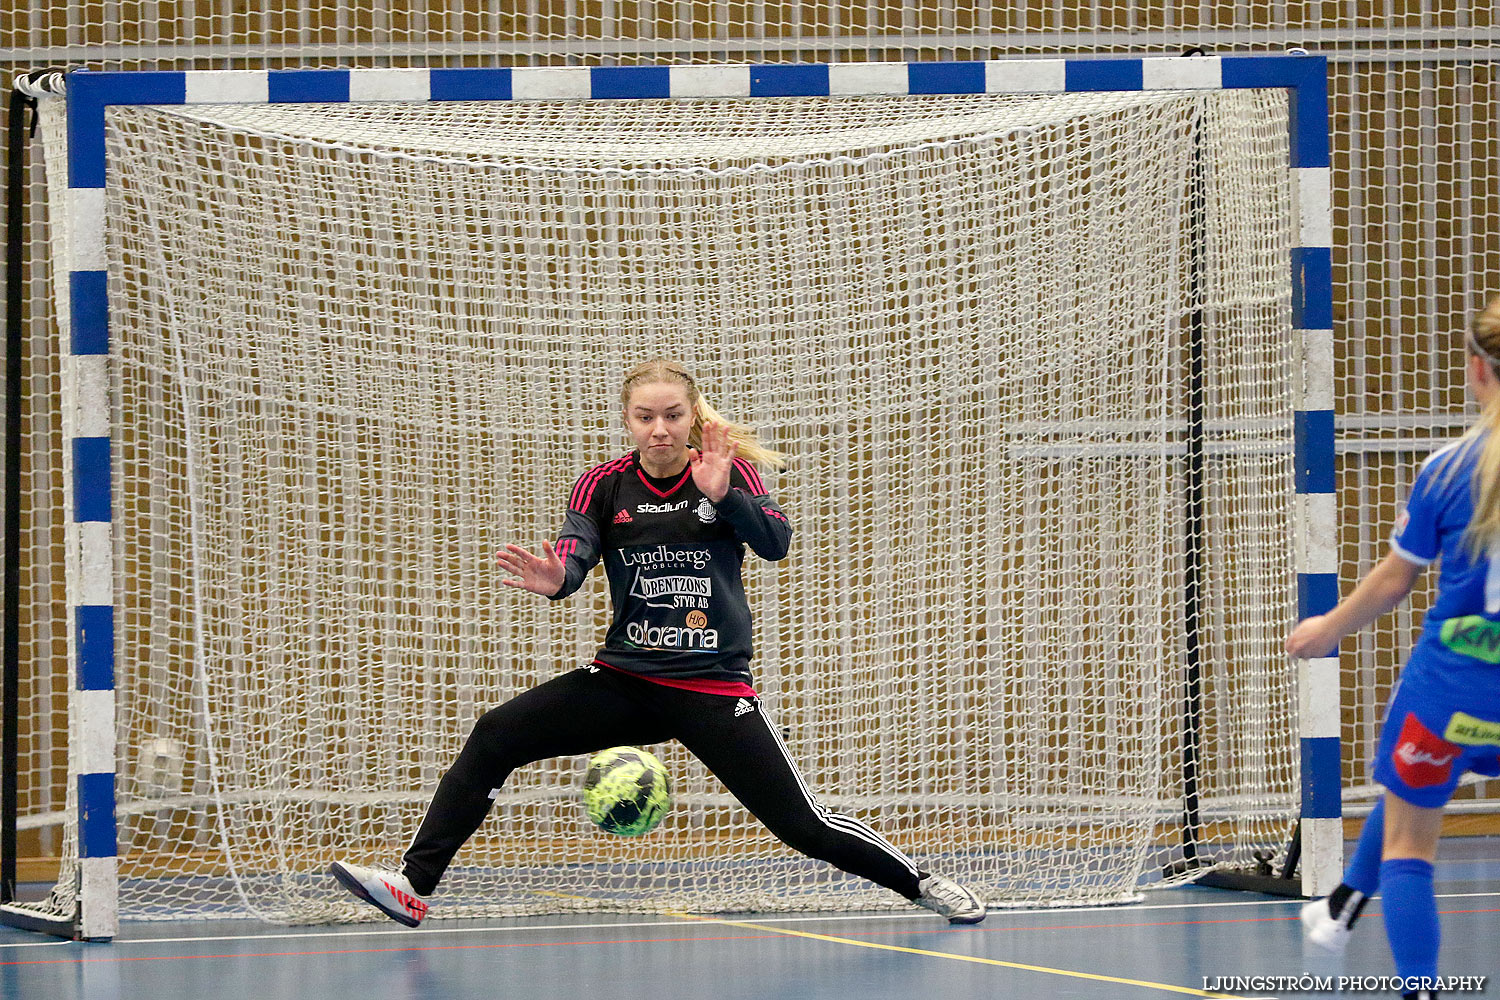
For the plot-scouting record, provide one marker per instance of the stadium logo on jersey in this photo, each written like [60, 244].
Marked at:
[623, 517]
[1423, 758]
[706, 511]
[1473, 635]
[650, 636]
[660, 508]
[662, 556]
[1465, 729]
[664, 591]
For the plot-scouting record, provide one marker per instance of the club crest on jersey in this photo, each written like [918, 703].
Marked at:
[706, 511]
[1422, 757]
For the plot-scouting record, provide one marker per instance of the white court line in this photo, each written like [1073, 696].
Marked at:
[36, 944]
[417, 935]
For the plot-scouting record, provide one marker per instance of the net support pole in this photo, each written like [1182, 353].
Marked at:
[14, 321]
[28, 87]
[1192, 697]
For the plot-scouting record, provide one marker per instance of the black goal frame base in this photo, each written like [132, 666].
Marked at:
[1261, 878]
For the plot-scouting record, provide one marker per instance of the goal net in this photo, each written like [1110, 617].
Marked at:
[356, 348]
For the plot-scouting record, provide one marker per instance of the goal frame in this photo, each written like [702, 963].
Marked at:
[89, 537]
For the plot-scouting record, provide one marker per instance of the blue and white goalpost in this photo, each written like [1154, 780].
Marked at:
[884, 346]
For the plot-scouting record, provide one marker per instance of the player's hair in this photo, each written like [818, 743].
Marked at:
[1483, 340]
[747, 445]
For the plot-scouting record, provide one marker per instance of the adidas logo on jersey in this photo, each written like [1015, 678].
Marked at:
[623, 517]
[742, 707]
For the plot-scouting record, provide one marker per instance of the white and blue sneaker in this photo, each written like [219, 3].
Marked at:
[947, 898]
[386, 889]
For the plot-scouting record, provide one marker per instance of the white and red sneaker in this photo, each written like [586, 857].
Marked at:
[386, 889]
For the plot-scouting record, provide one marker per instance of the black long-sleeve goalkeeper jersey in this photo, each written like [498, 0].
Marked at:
[673, 560]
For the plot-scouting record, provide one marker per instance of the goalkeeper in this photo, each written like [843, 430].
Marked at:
[671, 521]
[1443, 718]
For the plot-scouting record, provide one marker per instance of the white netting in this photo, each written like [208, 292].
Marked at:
[360, 347]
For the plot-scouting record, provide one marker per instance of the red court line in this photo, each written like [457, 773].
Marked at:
[660, 940]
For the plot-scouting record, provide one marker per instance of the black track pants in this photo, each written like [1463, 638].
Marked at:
[592, 708]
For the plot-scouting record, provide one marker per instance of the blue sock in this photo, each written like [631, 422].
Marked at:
[1411, 917]
[1363, 873]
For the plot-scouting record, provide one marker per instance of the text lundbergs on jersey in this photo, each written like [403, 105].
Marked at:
[672, 591]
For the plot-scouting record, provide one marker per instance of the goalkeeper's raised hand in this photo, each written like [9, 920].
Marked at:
[542, 574]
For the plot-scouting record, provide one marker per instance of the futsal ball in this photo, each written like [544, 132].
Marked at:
[626, 791]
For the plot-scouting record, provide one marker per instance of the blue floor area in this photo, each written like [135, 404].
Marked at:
[1177, 942]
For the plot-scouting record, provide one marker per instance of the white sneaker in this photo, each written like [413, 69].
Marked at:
[1322, 930]
[946, 897]
[386, 889]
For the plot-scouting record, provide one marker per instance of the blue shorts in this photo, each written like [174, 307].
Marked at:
[1427, 745]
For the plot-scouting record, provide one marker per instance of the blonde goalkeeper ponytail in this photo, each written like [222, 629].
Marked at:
[1483, 532]
[747, 445]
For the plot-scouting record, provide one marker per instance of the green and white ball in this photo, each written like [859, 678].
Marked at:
[626, 791]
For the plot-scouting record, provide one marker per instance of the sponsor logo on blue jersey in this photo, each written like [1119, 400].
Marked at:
[1469, 731]
[1473, 635]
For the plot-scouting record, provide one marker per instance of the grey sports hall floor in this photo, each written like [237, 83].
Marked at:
[1179, 942]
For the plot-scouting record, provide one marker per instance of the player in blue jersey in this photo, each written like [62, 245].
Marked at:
[670, 521]
[1443, 718]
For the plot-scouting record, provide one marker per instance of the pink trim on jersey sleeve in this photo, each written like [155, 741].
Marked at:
[752, 478]
[583, 491]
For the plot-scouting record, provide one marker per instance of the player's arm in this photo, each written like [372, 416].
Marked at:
[578, 550]
[560, 569]
[1382, 589]
[1414, 545]
[734, 488]
[756, 518]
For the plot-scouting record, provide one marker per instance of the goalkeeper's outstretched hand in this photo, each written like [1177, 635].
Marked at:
[711, 463]
[542, 574]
